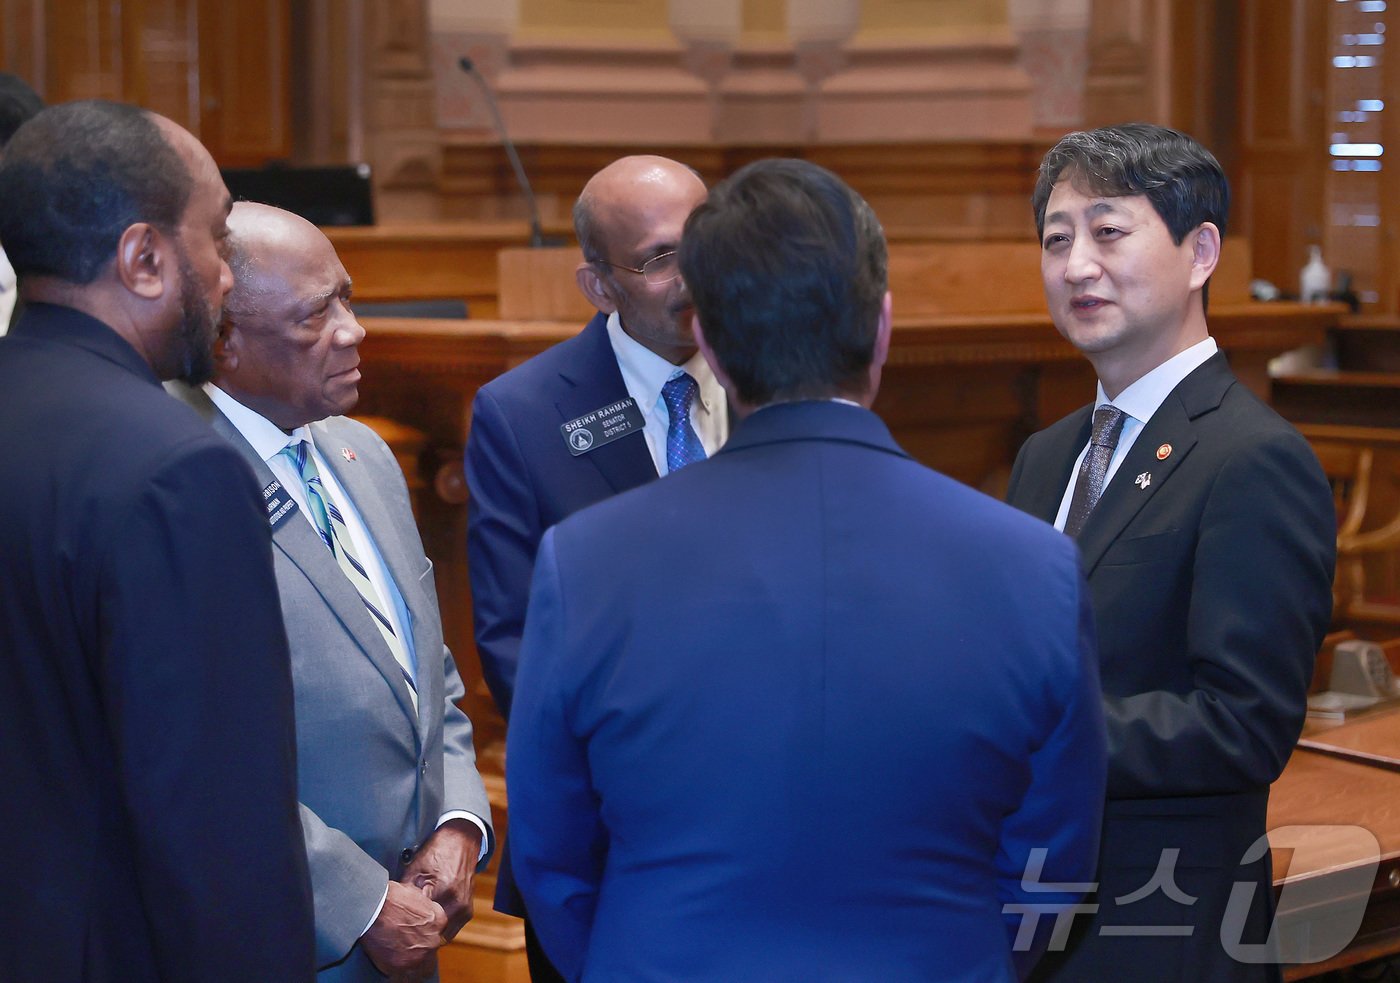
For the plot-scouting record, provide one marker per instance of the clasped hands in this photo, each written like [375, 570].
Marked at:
[428, 906]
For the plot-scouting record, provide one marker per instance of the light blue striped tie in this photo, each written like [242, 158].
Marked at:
[331, 525]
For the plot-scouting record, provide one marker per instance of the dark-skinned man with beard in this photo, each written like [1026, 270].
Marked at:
[147, 748]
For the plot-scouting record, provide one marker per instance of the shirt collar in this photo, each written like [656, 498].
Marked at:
[265, 437]
[1143, 397]
[644, 372]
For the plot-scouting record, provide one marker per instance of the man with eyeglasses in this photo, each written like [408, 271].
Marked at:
[626, 400]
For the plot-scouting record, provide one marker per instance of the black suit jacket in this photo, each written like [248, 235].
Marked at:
[147, 751]
[1210, 560]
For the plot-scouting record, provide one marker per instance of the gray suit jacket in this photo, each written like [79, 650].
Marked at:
[373, 778]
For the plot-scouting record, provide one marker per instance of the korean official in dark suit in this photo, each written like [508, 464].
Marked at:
[790, 714]
[1208, 532]
[395, 815]
[147, 753]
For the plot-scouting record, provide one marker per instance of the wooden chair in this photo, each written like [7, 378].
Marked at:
[1348, 470]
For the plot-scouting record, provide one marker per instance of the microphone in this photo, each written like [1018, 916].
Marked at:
[537, 238]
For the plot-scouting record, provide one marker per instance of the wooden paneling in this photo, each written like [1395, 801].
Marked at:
[1279, 200]
[953, 190]
[220, 70]
[244, 108]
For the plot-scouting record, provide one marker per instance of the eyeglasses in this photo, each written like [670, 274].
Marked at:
[658, 270]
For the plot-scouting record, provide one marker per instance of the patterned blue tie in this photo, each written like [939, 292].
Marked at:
[331, 525]
[682, 442]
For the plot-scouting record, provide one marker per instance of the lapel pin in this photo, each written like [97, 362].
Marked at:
[1164, 452]
[347, 453]
[1143, 480]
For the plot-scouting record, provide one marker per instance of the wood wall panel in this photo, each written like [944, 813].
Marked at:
[218, 69]
[1279, 194]
[245, 106]
[952, 190]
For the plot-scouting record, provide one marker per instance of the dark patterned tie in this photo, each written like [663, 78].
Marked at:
[1108, 424]
[682, 443]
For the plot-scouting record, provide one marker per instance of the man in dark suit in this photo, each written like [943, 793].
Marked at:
[147, 752]
[1207, 531]
[376, 688]
[18, 103]
[828, 736]
[531, 461]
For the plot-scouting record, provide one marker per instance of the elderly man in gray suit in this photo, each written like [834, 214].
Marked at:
[395, 815]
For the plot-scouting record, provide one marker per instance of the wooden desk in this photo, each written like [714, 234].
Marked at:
[428, 260]
[1320, 790]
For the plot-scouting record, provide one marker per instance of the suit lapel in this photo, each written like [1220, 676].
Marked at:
[1144, 474]
[302, 546]
[593, 381]
[353, 476]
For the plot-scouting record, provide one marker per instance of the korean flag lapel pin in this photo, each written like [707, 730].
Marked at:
[1143, 480]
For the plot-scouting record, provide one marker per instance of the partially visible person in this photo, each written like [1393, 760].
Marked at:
[18, 102]
[628, 399]
[792, 714]
[1208, 533]
[147, 749]
[395, 815]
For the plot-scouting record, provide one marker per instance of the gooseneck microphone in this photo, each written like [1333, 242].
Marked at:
[537, 238]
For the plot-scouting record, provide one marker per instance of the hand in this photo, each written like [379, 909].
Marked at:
[404, 939]
[444, 867]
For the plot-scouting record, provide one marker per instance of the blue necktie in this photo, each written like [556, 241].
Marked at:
[682, 442]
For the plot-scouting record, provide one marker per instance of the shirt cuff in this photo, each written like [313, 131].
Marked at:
[377, 909]
[474, 820]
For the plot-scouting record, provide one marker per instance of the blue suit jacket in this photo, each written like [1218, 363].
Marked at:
[147, 754]
[523, 480]
[1209, 559]
[819, 740]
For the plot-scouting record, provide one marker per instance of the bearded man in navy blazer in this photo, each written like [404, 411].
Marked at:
[527, 464]
[831, 736]
[147, 747]
[1209, 555]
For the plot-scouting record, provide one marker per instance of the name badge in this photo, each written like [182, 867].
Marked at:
[602, 426]
[279, 504]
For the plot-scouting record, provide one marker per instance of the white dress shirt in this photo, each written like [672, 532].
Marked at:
[645, 373]
[268, 440]
[8, 292]
[1138, 402]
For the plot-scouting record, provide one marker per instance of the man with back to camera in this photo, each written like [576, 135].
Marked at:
[1208, 535]
[394, 811]
[147, 749]
[531, 457]
[827, 739]
[18, 102]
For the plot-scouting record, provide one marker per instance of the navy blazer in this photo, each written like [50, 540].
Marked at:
[1210, 560]
[522, 480]
[821, 741]
[147, 751]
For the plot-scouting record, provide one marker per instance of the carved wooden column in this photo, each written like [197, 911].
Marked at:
[1053, 37]
[401, 139]
[1122, 63]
